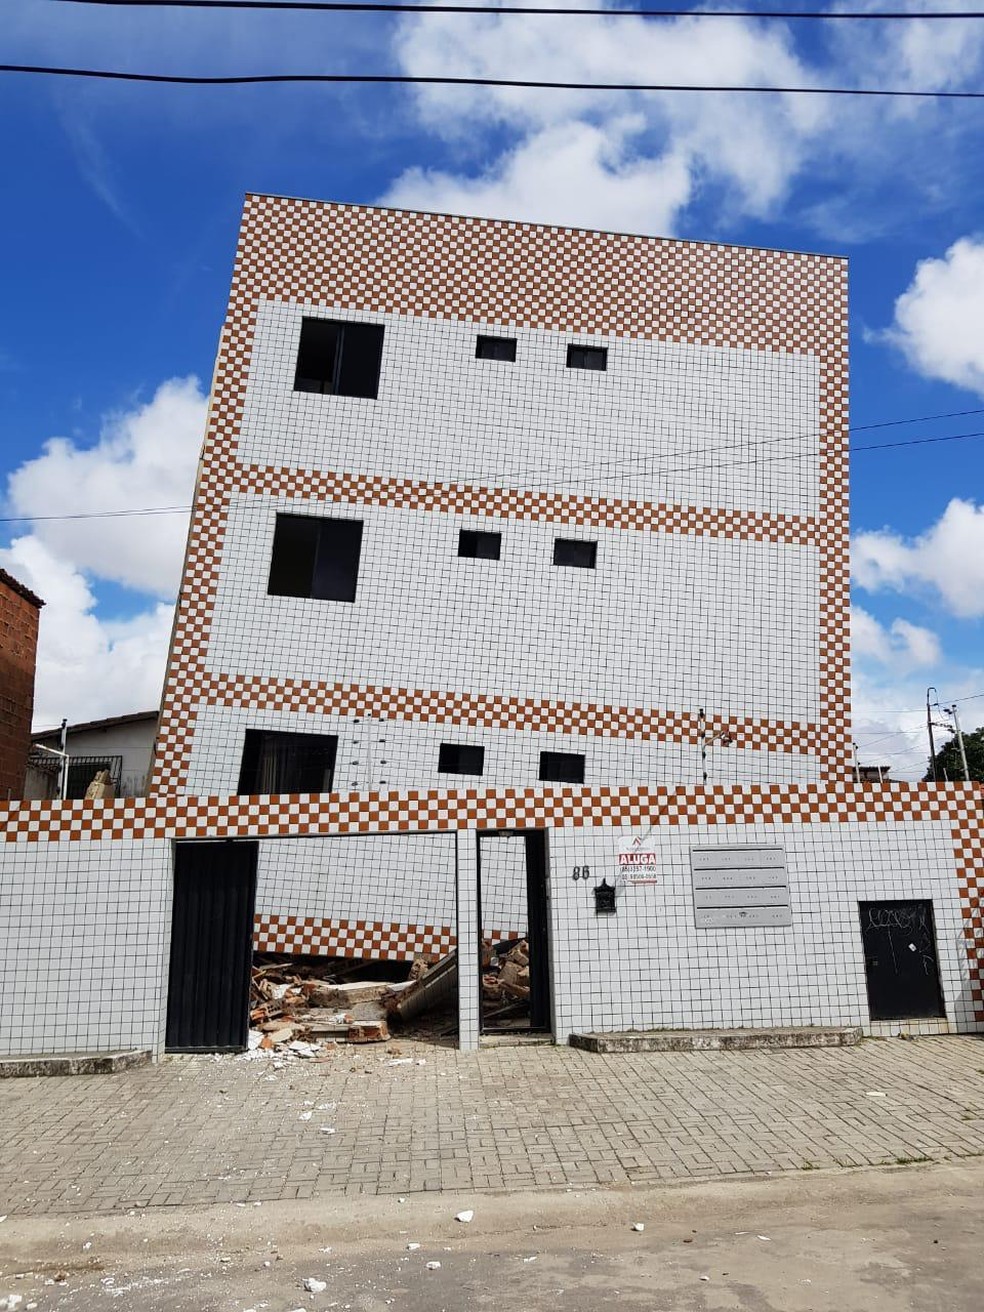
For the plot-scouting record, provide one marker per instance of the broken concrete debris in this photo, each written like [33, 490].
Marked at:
[505, 979]
[302, 1006]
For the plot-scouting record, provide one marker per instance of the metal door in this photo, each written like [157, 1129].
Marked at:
[211, 947]
[900, 960]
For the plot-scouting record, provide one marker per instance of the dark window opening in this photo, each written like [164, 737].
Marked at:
[496, 348]
[339, 358]
[457, 758]
[587, 357]
[562, 767]
[275, 762]
[479, 545]
[574, 552]
[316, 558]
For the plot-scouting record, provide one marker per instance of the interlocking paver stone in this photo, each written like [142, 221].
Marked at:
[203, 1129]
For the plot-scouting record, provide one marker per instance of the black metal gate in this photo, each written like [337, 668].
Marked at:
[900, 960]
[211, 947]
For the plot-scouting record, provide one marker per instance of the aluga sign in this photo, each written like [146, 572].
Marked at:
[637, 864]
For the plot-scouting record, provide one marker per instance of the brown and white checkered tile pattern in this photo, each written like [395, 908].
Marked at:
[299, 936]
[309, 936]
[515, 503]
[427, 705]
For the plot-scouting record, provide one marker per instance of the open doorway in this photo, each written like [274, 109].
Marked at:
[513, 937]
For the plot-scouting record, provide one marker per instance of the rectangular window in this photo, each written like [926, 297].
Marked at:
[457, 758]
[587, 357]
[562, 767]
[574, 552]
[479, 545]
[316, 558]
[275, 762]
[496, 348]
[339, 358]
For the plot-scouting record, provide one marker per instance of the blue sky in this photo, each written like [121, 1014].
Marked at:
[119, 224]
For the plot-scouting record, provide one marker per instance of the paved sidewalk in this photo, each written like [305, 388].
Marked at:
[198, 1130]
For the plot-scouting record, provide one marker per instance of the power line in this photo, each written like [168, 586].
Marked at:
[172, 510]
[407, 79]
[96, 514]
[329, 6]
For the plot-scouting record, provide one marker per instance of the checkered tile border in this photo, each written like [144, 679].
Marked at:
[425, 810]
[440, 266]
[515, 503]
[968, 845]
[350, 938]
[553, 715]
[357, 938]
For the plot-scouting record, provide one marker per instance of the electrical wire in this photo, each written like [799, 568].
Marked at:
[730, 464]
[544, 11]
[407, 79]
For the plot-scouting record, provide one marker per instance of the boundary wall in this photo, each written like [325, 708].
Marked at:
[86, 889]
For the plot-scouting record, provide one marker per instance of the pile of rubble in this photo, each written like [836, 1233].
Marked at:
[505, 981]
[301, 1007]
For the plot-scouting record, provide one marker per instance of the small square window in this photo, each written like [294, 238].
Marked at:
[562, 767]
[459, 758]
[478, 545]
[315, 557]
[496, 348]
[339, 358]
[587, 357]
[574, 552]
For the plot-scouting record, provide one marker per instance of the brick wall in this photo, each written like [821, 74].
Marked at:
[18, 650]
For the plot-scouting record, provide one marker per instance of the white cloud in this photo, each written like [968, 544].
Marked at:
[570, 169]
[144, 457]
[91, 664]
[742, 154]
[948, 560]
[901, 646]
[604, 159]
[939, 319]
[88, 667]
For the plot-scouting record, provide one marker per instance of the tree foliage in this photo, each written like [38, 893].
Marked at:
[948, 763]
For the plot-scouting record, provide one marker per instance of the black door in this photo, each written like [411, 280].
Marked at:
[513, 931]
[900, 961]
[211, 947]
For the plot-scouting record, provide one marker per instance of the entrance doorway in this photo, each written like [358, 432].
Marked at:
[513, 936]
[211, 947]
[900, 961]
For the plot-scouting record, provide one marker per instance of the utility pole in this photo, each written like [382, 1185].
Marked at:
[929, 726]
[952, 710]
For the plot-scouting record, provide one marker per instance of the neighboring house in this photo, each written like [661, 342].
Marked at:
[19, 613]
[122, 744]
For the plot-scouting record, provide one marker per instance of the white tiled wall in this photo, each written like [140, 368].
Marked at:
[379, 754]
[86, 934]
[648, 967]
[396, 878]
[696, 425]
[674, 621]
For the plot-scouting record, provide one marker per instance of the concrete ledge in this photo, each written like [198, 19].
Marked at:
[705, 1040]
[73, 1063]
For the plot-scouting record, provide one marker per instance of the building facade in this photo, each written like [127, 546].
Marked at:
[496, 504]
[20, 612]
[515, 605]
